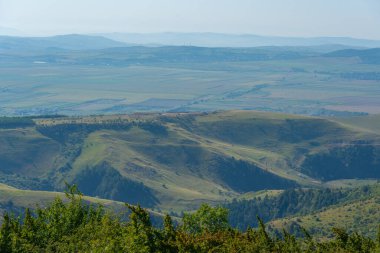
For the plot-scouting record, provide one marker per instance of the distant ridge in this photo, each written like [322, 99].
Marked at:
[69, 42]
[10, 31]
[234, 40]
[370, 56]
[117, 40]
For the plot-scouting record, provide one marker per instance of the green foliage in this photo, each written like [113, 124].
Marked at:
[357, 160]
[72, 133]
[206, 219]
[154, 128]
[354, 242]
[106, 182]
[292, 202]
[74, 226]
[5, 234]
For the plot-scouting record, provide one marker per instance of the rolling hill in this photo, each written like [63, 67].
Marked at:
[317, 210]
[176, 161]
[369, 56]
[361, 216]
[13, 200]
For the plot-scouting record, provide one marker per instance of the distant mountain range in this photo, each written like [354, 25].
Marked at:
[12, 45]
[233, 40]
[69, 42]
[10, 31]
[109, 40]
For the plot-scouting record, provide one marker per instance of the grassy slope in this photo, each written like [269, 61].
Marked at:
[27, 150]
[127, 152]
[277, 142]
[369, 123]
[30, 199]
[361, 216]
[181, 167]
[269, 150]
[159, 162]
[359, 212]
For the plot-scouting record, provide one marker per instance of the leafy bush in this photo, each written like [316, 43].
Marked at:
[74, 226]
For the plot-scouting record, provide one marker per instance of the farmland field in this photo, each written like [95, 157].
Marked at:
[138, 79]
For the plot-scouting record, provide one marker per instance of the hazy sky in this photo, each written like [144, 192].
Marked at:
[354, 18]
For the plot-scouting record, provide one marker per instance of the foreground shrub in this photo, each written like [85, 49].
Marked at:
[76, 226]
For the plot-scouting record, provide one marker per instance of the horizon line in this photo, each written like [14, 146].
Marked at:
[30, 35]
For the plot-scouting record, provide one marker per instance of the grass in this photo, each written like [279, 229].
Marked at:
[27, 149]
[276, 142]
[189, 164]
[30, 199]
[370, 123]
[350, 183]
[125, 151]
[361, 216]
[359, 212]
[259, 194]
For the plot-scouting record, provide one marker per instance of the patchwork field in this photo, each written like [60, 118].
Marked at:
[162, 79]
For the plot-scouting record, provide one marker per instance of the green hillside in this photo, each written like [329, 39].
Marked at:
[317, 210]
[358, 216]
[176, 161]
[30, 198]
[369, 123]
[13, 200]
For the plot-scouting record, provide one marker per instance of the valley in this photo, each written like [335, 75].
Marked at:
[289, 133]
[85, 75]
[189, 126]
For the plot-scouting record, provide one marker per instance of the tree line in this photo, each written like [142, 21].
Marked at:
[73, 225]
[292, 202]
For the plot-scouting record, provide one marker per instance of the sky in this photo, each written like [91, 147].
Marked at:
[295, 18]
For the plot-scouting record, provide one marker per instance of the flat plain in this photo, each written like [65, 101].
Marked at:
[159, 79]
